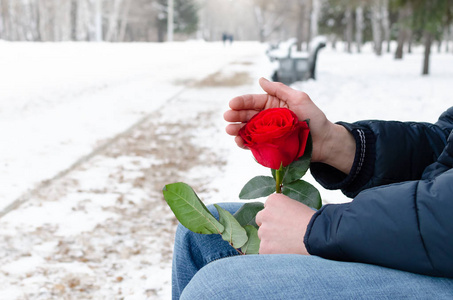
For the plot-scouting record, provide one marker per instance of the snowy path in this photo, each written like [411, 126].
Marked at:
[58, 102]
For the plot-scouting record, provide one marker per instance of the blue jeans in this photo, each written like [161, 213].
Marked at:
[199, 273]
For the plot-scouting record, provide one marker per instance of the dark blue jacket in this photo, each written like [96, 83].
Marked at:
[402, 213]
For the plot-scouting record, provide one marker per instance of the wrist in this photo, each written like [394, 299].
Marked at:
[338, 149]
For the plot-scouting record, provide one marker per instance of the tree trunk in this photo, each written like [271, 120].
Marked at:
[316, 8]
[74, 20]
[1, 21]
[43, 25]
[6, 18]
[402, 35]
[38, 20]
[259, 16]
[428, 41]
[334, 42]
[307, 22]
[124, 20]
[447, 38]
[376, 26]
[112, 27]
[403, 31]
[160, 30]
[410, 39]
[349, 29]
[300, 26]
[170, 19]
[98, 20]
[359, 28]
[386, 23]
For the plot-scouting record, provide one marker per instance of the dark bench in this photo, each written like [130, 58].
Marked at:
[292, 65]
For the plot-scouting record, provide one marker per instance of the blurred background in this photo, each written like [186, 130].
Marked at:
[103, 102]
[407, 22]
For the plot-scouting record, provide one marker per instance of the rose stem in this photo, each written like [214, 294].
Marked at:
[278, 179]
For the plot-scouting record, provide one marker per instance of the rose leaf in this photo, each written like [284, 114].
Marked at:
[304, 192]
[252, 246]
[234, 233]
[247, 213]
[189, 209]
[259, 186]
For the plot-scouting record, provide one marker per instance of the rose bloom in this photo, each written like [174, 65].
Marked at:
[275, 136]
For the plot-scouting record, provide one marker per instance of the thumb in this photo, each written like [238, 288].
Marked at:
[277, 89]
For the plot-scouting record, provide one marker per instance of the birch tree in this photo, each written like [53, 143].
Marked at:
[349, 28]
[316, 10]
[359, 26]
[376, 21]
[386, 22]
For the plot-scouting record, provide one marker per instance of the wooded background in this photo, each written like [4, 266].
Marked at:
[354, 22]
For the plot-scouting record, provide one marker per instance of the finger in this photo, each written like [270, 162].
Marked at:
[253, 102]
[277, 89]
[259, 233]
[233, 129]
[240, 142]
[259, 219]
[239, 115]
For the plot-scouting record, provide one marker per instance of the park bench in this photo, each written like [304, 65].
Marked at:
[294, 65]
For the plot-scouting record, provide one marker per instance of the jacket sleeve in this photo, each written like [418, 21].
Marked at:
[406, 226]
[387, 152]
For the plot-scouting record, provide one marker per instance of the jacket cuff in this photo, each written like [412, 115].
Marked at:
[362, 168]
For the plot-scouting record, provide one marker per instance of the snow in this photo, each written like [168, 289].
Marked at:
[92, 131]
[59, 101]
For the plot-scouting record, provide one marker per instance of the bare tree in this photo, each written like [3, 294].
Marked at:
[359, 26]
[74, 5]
[349, 28]
[303, 9]
[428, 39]
[448, 36]
[403, 30]
[114, 10]
[316, 9]
[386, 22]
[124, 20]
[376, 21]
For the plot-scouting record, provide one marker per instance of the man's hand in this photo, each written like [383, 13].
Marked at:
[278, 95]
[332, 144]
[283, 223]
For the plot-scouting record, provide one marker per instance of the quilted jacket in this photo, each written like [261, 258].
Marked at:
[401, 216]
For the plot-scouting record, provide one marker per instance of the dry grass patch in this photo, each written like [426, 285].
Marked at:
[221, 80]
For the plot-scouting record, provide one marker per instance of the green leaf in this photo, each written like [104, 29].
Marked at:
[259, 186]
[189, 209]
[247, 213]
[234, 233]
[253, 243]
[304, 192]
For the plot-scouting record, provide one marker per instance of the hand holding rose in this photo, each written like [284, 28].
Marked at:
[283, 223]
[332, 144]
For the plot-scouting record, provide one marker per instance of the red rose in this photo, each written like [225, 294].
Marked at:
[275, 136]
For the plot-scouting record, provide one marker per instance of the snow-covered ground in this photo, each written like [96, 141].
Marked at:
[60, 101]
[118, 121]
